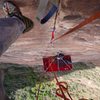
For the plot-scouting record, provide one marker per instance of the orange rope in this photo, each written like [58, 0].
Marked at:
[62, 89]
[61, 86]
[83, 23]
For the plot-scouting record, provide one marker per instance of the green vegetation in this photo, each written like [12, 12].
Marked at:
[22, 83]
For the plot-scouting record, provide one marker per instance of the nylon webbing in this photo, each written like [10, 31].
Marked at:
[41, 15]
[41, 9]
[83, 23]
[49, 14]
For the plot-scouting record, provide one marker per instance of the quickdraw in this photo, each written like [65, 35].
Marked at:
[55, 21]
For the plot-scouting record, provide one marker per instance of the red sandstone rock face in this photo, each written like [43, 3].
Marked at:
[83, 44]
[82, 7]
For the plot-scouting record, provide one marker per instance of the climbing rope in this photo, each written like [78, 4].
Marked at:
[63, 87]
[83, 23]
[55, 20]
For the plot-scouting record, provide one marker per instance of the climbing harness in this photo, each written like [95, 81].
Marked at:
[83, 23]
[42, 16]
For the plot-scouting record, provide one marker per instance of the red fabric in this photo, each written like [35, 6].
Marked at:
[52, 36]
[51, 63]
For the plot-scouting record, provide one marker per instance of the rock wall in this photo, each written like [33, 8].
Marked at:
[82, 45]
[82, 7]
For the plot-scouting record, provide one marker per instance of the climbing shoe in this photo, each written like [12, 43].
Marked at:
[11, 9]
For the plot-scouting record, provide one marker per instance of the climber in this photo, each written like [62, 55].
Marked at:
[13, 25]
